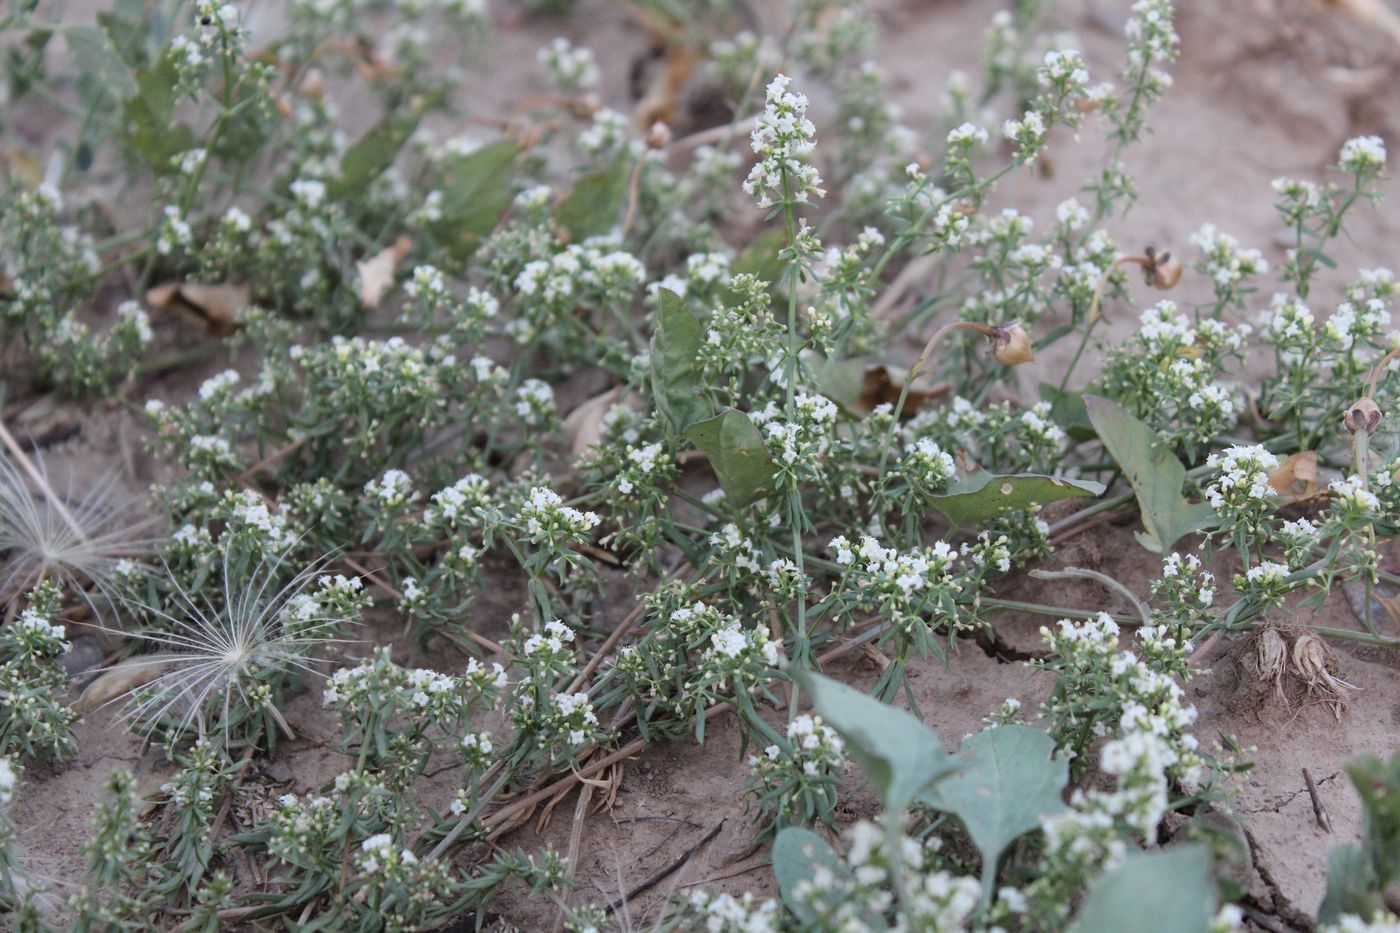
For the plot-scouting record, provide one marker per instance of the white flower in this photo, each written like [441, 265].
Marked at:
[8, 779]
[1363, 155]
[783, 138]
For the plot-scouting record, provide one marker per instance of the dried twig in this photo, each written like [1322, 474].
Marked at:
[667, 871]
[1319, 811]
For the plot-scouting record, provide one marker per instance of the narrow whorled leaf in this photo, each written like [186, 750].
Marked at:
[592, 208]
[1154, 473]
[983, 495]
[738, 455]
[1152, 892]
[675, 365]
[1009, 780]
[898, 754]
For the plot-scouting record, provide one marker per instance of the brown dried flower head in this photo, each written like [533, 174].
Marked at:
[1011, 345]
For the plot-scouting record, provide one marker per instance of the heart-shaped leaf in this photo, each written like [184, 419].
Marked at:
[898, 754]
[1009, 780]
[1152, 892]
[1154, 473]
[982, 495]
[738, 455]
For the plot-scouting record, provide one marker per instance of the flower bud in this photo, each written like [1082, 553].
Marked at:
[1011, 345]
[1365, 415]
[659, 136]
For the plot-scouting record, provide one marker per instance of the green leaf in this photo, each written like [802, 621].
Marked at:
[760, 257]
[1154, 473]
[1010, 779]
[592, 208]
[148, 114]
[1152, 892]
[842, 381]
[983, 495]
[675, 367]
[374, 152]
[797, 854]
[738, 455]
[475, 193]
[1351, 886]
[898, 754]
[97, 60]
[1068, 411]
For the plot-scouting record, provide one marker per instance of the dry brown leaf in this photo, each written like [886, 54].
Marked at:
[878, 387]
[120, 679]
[584, 425]
[377, 272]
[215, 306]
[1296, 477]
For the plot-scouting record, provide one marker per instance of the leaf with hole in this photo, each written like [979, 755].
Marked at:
[738, 455]
[1154, 473]
[897, 753]
[982, 495]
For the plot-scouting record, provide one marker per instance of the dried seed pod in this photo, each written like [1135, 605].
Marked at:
[1365, 415]
[659, 136]
[1011, 345]
[1162, 270]
[1271, 657]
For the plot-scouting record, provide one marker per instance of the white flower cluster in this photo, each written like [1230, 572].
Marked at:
[551, 523]
[1241, 489]
[724, 913]
[392, 490]
[1363, 155]
[795, 442]
[643, 465]
[926, 465]
[457, 504]
[1351, 497]
[932, 899]
[534, 402]
[1224, 260]
[591, 270]
[570, 69]
[783, 138]
[554, 643]
[8, 780]
[250, 513]
[903, 587]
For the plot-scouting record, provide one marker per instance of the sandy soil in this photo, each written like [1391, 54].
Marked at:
[1264, 88]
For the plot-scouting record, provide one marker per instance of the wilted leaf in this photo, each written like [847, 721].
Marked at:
[215, 306]
[798, 854]
[1152, 892]
[1154, 473]
[675, 365]
[1296, 477]
[738, 455]
[377, 272]
[1009, 780]
[584, 425]
[859, 387]
[120, 679]
[592, 208]
[898, 754]
[983, 495]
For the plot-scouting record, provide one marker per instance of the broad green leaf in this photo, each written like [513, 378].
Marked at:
[898, 754]
[675, 367]
[760, 257]
[592, 208]
[983, 495]
[842, 381]
[1154, 473]
[1351, 885]
[97, 60]
[1068, 411]
[738, 455]
[1009, 780]
[475, 193]
[148, 114]
[797, 854]
[1170, 891]
[374, 152]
